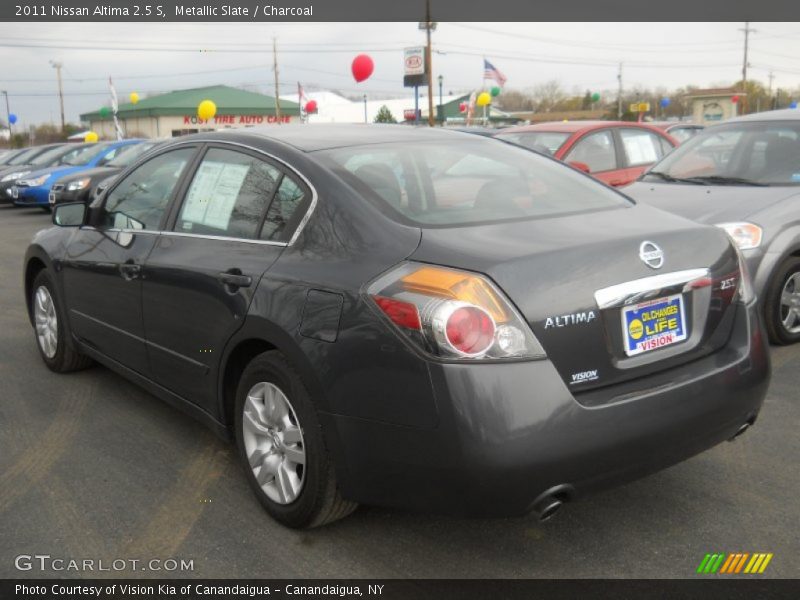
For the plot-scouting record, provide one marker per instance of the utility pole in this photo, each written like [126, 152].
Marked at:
[619, 92]
[57, 66]
[277, 91]
[771, 101]
[428, 62]
[747, 31]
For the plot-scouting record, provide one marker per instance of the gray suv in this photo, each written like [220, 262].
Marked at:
[743, 175]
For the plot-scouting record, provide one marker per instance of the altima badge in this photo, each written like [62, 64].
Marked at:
[651, 255]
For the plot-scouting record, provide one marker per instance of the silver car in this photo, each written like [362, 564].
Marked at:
[744, 176]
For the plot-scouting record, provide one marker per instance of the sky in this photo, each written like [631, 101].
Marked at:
[158, 57]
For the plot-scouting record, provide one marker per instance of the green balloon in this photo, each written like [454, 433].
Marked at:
[495, 91]
[595, 97]
[104, 112]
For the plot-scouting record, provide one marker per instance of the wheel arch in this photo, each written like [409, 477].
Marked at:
[256, 337]
[36, 261]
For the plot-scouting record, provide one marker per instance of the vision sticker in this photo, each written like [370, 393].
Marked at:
[653, 324]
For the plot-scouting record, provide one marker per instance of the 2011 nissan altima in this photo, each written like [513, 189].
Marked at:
[410, 318]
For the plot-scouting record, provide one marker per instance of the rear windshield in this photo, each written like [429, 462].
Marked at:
[466, 181]
[541, 141]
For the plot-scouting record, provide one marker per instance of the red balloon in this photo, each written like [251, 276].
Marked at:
[362, 67]
[462, 107]
[735, 99]
[311, 106]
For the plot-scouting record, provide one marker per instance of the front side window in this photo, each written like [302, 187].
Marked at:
[641, 147]
[595, 150]
[762, 153]
[460, 182]
[140, 200]
[228, 195]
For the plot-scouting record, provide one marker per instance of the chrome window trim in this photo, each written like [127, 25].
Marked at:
[311, 207]
[193, 235]
[631, 291]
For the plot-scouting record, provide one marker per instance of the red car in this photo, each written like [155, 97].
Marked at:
[615, 152]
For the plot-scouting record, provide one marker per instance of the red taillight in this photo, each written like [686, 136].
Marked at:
[401, 313]
[470, 330]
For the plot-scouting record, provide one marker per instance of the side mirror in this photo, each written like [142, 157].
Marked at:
[581, 166]
[71, 214]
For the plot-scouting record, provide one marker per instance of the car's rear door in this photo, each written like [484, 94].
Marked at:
[102, 266]
[232, 223]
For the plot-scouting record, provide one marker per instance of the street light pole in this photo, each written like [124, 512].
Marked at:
[441, 106]
[8, 115]
[365, 109]
[57, 66]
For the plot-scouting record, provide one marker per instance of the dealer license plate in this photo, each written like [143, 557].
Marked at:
[51, 197]
[15, 192]
[653, 324]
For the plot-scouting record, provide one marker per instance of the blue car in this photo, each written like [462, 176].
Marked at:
[34, 189]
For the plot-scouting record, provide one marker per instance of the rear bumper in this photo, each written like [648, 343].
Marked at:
[507, 433]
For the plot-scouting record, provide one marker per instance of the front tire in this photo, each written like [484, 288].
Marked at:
[281, 446]
[49, 320]
[782, 303]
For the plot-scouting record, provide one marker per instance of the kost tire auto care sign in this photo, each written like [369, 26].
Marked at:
[236, 120]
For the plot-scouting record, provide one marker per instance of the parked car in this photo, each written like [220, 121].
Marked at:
[8, 155]
[31, 159]
[79, 187]
[422, 319]
[615, 152]
[679, 130]
[744, 175]
[33, 189]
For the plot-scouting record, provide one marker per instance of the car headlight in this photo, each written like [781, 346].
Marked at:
[35, 182]
[746, 236]
[13, 176]
[80, 184]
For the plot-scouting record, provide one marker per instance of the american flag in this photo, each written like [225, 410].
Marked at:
[490, 72]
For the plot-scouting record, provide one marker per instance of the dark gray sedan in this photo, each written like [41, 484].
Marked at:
[743, 175]
[414, 318]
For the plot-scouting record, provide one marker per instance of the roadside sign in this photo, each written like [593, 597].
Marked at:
[640, 107]
[414, 61]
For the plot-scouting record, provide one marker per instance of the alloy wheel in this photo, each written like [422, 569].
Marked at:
[790, 304]
[46, 321]
[273, 442]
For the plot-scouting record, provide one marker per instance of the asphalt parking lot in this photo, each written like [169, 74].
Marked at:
[91, 466]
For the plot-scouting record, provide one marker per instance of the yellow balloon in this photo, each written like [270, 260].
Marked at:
[206, 110]
[91, 137]
[134, 97]
[484, 98]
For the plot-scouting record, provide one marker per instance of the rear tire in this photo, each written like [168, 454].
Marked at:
[782, 303]
[281, 446]
[55, 345]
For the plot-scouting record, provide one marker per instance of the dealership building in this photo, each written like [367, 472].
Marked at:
[175, 113]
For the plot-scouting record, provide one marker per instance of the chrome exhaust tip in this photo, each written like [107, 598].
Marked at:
[742, 429]
[551, 501]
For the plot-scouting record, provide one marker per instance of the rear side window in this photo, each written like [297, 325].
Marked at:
[140, 200]
[460, 182]
[228, 196]
[595, 150]
[641, 147]
[284, 210]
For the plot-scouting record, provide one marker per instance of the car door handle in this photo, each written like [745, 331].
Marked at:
[130, 270]
[233, 280]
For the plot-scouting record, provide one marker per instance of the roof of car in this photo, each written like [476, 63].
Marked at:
[785, 114]
[312, 137]
[574, 126]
